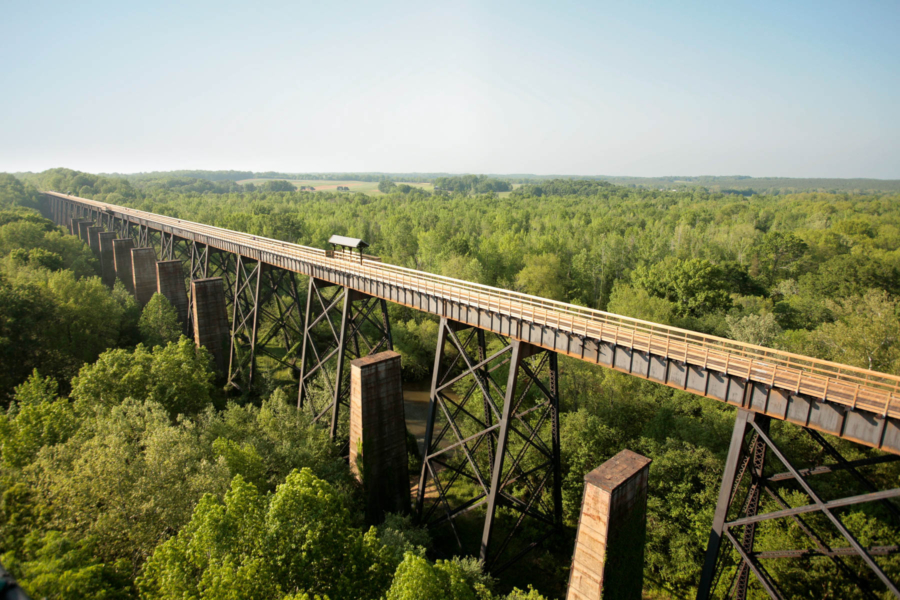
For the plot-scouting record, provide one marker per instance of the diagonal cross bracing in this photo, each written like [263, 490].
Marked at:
[491, 445]
[851, 403]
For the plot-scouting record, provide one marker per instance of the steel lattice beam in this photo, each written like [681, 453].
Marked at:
[739, 530]
[266, 309]
[503, 438]
[329, 340]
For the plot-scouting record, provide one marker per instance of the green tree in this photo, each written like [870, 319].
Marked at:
[53, 566]
[866, 332]
[760, 329]
[684, 482]
[542, 276]
[24, 315]
[386, 186]
[299, 540]
[779, 255]
[695, 285]
[278, 185]
[178, 376]
[159, 322]
[416, 579]
[36, 420]
[128, 478]
[638, 303]
[15, 193]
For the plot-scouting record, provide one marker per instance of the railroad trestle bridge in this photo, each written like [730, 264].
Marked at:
[506, 453]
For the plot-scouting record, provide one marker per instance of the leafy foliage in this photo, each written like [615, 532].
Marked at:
[115, 474]
[178, 377]
[299, 540]
[159, 322]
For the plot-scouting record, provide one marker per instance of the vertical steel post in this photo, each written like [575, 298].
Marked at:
[741, 422]
[497, 472]
[345, 313]
[432, 412]
[301, 393]
[386, 323]
[557, 451]
[752, 506]
[255, 330]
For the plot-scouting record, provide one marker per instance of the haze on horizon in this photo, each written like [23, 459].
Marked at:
[803, 89]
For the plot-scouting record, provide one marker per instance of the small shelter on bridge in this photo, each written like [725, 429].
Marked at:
[340, 243]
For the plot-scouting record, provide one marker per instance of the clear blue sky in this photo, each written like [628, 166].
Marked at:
[802, 89]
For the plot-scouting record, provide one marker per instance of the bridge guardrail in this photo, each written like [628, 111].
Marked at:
[854, 387]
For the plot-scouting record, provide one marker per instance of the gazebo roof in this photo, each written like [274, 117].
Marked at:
[347, 242]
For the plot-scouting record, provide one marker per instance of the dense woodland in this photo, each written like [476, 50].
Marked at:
[125, 471]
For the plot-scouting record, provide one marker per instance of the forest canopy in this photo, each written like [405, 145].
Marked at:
[127, 472]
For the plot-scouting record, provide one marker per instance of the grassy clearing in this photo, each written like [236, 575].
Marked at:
[363, 187]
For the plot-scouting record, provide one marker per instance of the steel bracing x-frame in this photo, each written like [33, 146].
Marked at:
[501, 440]
[749, 460]
[336, 326]
[266, 308]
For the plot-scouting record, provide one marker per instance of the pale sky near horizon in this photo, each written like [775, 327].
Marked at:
[791, 89]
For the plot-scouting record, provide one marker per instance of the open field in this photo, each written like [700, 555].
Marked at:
[364, 187]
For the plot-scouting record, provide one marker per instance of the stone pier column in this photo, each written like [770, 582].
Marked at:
[170, 283]
[609, 548]
[378, 434]
[107, 258]
[122, 256]
[73, 225]
[143, 269]
[211, 319]
[83, 230]
[94, 238]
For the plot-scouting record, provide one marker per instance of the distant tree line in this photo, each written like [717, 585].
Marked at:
[471, 184]
[563, 187]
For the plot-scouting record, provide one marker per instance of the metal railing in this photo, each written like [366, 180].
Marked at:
[842, 384]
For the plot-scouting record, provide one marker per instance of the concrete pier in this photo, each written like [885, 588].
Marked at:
[143, 269]
[170, 283]
[107, 258]
[211, 328]
[73, 225]
[93, 238]
[83, 230]
[378, 434]
[122, 256]
[609, 548]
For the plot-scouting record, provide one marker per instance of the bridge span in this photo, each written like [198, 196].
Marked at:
[849, 402]
[762, 383]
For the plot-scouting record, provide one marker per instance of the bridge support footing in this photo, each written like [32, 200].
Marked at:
[122, 256]
[83, 226]
[211, 319]
[94, 239]
[747, 483]
[504, 439]
[612, 528]
[107, 257]
[378, 455]
[143, 267]
[170, 283]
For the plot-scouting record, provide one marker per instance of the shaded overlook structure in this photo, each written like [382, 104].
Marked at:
[492, 435]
